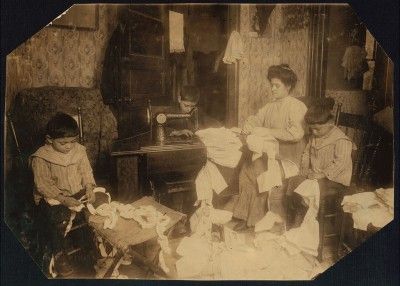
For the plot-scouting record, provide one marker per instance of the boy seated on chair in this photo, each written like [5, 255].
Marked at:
[63, 181]
[326, 158]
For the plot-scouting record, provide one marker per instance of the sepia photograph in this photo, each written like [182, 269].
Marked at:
[202, 142]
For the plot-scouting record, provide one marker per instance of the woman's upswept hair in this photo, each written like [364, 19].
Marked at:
[284, 73]
[320, 111]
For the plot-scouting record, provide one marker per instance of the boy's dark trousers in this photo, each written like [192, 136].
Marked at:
[52, 222]
[296, 207]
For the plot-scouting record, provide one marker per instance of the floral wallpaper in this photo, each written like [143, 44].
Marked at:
[61, 57]
[276, 47]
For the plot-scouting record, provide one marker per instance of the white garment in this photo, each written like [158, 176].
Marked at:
[306, 236]
[352, 62]
[270, 178]
[264, 143]
[290, 169]
[234, 49]
[223, 146]
[209, 179]
[176, 44]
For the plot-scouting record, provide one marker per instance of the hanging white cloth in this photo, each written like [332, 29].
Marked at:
[176, 23]
[234, 48]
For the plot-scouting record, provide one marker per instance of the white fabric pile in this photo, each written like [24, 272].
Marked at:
[223, 148]
[376, 208]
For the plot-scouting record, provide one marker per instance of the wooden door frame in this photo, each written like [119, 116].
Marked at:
[317, 52]
[232, 99]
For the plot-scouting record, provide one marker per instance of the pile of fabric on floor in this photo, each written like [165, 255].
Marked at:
[375, 208]
[230, 255]
[208, 254]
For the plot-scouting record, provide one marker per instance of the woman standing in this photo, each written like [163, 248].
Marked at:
[282, 117]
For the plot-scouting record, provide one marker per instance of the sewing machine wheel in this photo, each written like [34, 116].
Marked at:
[161, 118]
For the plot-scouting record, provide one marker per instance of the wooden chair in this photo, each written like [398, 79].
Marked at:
[331, 215]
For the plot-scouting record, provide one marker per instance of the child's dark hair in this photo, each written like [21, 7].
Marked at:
[320, 111]
[190, 93]
[62, 125]
[284, 73]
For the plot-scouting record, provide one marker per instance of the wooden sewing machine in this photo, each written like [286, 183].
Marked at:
[152, 163]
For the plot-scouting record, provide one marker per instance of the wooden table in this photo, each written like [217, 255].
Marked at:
[138, 160]
[128, 233]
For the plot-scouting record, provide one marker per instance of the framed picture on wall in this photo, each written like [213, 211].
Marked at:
[83, 17]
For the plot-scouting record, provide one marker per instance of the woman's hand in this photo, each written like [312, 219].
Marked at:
[316, 176]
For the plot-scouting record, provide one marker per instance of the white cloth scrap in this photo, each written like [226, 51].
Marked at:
[209, 179]
[234, 49]
[267, 222]
[306, 237]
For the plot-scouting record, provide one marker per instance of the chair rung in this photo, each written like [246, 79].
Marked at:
[348, 248]
[330, 215]
[78, 226]
[72, 251]
[331, 235]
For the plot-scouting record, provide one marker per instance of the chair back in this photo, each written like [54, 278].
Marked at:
[368, 138]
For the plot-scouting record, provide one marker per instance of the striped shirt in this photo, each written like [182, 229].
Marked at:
[57, 173]
[330, 155]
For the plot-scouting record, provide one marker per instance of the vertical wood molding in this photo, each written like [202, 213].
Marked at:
[317, 52]
[232, 72]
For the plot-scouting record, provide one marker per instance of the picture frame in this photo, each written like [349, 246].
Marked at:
[80, 17]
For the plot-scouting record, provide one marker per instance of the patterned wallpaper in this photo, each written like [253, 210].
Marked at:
[354, 102]
[261, 52]
[61, 57]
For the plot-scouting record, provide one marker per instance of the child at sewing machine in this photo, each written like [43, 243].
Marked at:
[187, 101]
[326, 158]
[63, 181]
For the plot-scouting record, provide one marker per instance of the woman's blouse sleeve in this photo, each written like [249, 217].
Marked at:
[254, 121]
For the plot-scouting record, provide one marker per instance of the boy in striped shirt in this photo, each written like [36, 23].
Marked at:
[326, 158]
[63, 179]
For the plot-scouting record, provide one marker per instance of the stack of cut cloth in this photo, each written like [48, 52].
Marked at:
[375, 208]
[302, 239]
[223, 156]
